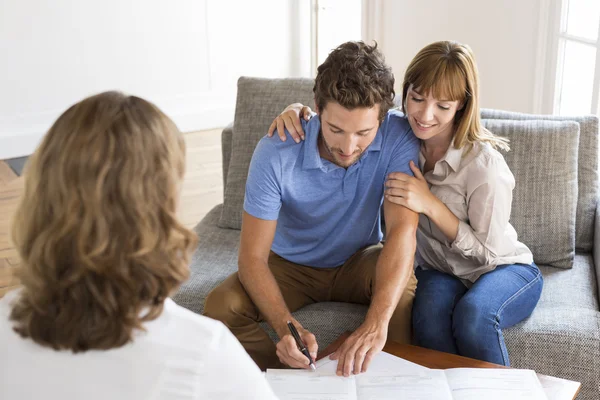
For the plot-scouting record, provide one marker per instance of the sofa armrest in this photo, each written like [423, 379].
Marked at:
[226, 138]
[596, 250]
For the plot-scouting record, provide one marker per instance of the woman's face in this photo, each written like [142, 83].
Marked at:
[430, 117]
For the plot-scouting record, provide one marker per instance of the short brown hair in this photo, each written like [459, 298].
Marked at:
[355, 75]
[96, 229]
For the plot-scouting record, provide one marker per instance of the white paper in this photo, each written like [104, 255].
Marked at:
[385, 362]
[415, 385]
[391, 377]
[387, 377]
[557, 388]
[380, 364]
[289, 384]
[494, 384]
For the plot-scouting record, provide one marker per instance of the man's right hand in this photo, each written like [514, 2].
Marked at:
[288, 351]
[290, 120]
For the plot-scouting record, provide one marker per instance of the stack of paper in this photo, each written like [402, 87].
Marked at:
[391, 377]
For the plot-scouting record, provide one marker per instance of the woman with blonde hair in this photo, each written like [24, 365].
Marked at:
[101, 251]
[474, 277]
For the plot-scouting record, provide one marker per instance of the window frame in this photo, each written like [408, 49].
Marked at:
[549, 95]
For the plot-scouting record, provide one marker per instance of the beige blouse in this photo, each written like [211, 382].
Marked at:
[476, 186]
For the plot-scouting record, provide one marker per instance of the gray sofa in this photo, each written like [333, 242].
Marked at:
[555, 163]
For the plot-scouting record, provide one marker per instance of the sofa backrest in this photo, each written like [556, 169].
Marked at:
[587, 169]
[226, 138]
[259, 101]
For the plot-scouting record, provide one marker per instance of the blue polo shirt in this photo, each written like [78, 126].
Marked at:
[326, 213]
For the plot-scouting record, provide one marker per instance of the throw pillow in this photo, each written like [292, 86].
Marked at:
[543, 159]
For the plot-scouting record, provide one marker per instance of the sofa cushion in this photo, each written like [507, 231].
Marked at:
[560, 342]
[575, 288]
[543, 159]
[214, 260]
[561, 337]
[587, 169]
[259, 101]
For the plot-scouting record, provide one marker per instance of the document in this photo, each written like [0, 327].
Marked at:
[391, 377]
[558, 388]
[428, 384]
[309, 385]
[382, 363]
[494, 384]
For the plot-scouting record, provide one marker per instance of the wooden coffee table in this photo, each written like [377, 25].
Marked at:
[438, 360]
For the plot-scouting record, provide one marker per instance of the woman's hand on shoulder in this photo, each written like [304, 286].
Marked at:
[290, 120]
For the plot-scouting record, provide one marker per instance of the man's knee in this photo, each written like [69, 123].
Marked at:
[228, 302]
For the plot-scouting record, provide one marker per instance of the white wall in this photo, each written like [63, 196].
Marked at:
[504, 36]
[185, 56]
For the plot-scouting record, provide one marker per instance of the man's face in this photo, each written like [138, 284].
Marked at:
[346, 133]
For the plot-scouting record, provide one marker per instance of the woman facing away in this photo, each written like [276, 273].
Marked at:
[474, 277]
[101, 251]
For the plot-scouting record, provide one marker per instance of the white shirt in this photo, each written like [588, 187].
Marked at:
[477, 187]
[181, 356]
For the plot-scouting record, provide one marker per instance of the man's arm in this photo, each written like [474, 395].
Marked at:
[256, 277]
[395, 263]
[394, 266]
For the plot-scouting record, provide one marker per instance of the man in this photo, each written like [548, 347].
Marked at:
[311, 227]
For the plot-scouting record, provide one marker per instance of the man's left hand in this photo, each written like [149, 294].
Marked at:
[356, 353]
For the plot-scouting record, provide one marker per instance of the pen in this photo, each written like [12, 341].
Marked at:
[301, 344]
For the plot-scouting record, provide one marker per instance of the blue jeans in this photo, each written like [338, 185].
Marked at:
[449, 317]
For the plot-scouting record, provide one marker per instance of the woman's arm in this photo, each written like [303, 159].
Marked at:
[489, 200]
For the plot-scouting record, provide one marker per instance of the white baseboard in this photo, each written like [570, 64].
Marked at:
[22, 135]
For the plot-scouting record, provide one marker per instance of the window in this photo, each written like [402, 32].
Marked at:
[577, 85]
[334, 22]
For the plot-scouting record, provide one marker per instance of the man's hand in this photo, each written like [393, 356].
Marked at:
[288, 352]
[356, 353]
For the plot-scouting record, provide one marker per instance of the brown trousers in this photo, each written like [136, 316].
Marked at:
[301, 285]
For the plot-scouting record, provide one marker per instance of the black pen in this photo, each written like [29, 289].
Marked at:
[301, 345]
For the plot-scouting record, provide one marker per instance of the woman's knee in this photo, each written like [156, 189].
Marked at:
[472, 319]
[429, 318]
[431, 308]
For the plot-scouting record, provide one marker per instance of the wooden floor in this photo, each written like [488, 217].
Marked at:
[202, 190]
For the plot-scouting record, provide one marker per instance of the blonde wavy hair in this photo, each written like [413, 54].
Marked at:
[96, 229]
[448, 71]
